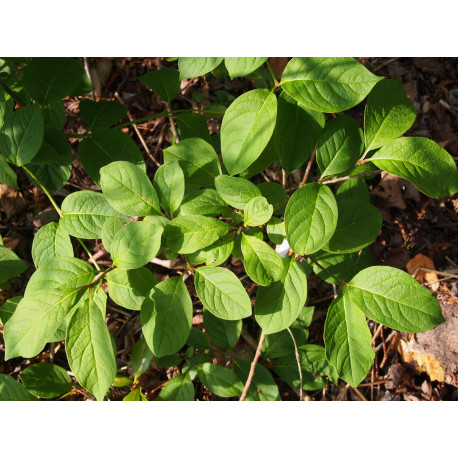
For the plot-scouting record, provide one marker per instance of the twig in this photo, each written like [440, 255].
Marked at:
[360, 395]
[376, 333]
[389, 61]
[336, 180]
[298, 359]
[173, 126]
[283, 178]
[253, 367]
[309, 166]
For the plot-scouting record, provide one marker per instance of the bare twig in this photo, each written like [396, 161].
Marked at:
[173, 126]
[309, 166]
[253, 367]
[360, 395]
[379, 329]
[336, 180]
[298, 359]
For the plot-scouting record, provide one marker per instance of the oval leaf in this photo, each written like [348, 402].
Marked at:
[169, 185]
[257, 212]
[190, 67]
[220, 380]
[242, 66]
[237, 192]
[46, 380]
[179, 388]
[50, 241]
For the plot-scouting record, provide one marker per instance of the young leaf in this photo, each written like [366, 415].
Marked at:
[423, 162]
[224, 333]
[339, 146]
[216, 253]
[206, 202]
[102, 114]
[242, 66]
[392, 297]
[348, 341]
[46, 380]
[135, 395]
[262, 263]
[327, 84]
[221, 293]
[166, 317]
[257, 211]
[10, 264]
[7, 174]
[246, 129]
[12, 390]
[310, 218]
[388, 114]
[89, 349]
[141, 358]
[237, 250]
[219, 380]
[237, 192]
[164, 82]
[135, 245]
[109, 229]
[128, 189]
[169, 185]
[8, 308]
[179, 388]
[275, 194]
[190, 67]
[187, 234]
[279, 304]
[276, 231]
[22, 134]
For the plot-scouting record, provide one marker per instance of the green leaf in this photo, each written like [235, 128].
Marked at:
[310, 218]
[262, 263]
[355, 188]
[187, 234]
[7, 174]
[89, 349]
[237, 192]
[198, 339]
[85, 212]
[216, 253]
[166, 317]
[193, 125]
[423, 162]
[275, 194]
[279, 304]
[222, 293]
[393, 298]
[10, 264]
[102, 114]
[121, 381]
[327, 84]
[198, 160]
[281, 344]
[339, 146]
[246, 129]
[141, 358]
[348, 341]
[109, 229]
[169, 185]
[358, 225]
[242, 66]
[257, 212]
[190, 67]
[296, 132]
[35, 320]
[169, 361]
[254, 231]
[224, 333]
[128, 189]
[54, 114]
[220, 380]
[206, 202]
[22, 134]
[8, 308]
[135, 395]
[276, 231]
[106, 146]
[179, 388]
[264, 161]
[12, 390]
[164, 82]
[135, 245]
[128, 288]
[46, 380]
[388, 114]
[47, 79]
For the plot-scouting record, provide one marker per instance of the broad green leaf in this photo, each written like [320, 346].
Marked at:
[169, 185]
[10, 264]
[388, 114]
[190, 67]
[169, 361]
[189, 233]
[135, 395]
[89, 349]
[237, 192]
[54, 114]
[84, 86]
[85, 212]
[164, 82]
[262, 263]
[276, 231]
[106, 146]
[355, 188]
[198, 339]
[327, 84]
[423, 162]
[216, 253]
[206, 202]
[128, 288]
[46, 380]
[279, 304]
[8, 308]
[179, 388]
[222, 293]
[198, 160]
[7, 174]
[393, 298]
[22, 135]
[109, 229]
[254, 231]
[12, 390]
[166, 317]
[246, 129]
[220, 380]
[102, 114]
[128, 189]
[310, 218]
[264, 161]
[275, 194]
[224, 333]
[358, 225]
[122, 381]
[281, 344]
[193, 125]
[348, 341]
[135, 245]
[47, 79]
[296, 132]
[35, 320]
[339, 146]
[141, 358]
[257, 211]
[242, 66]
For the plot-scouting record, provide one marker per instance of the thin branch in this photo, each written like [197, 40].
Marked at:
[309, 166]
[336, 180]
[298, 359]
[172, 124]
[15, 96]
[253, 367]
[338, 280]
